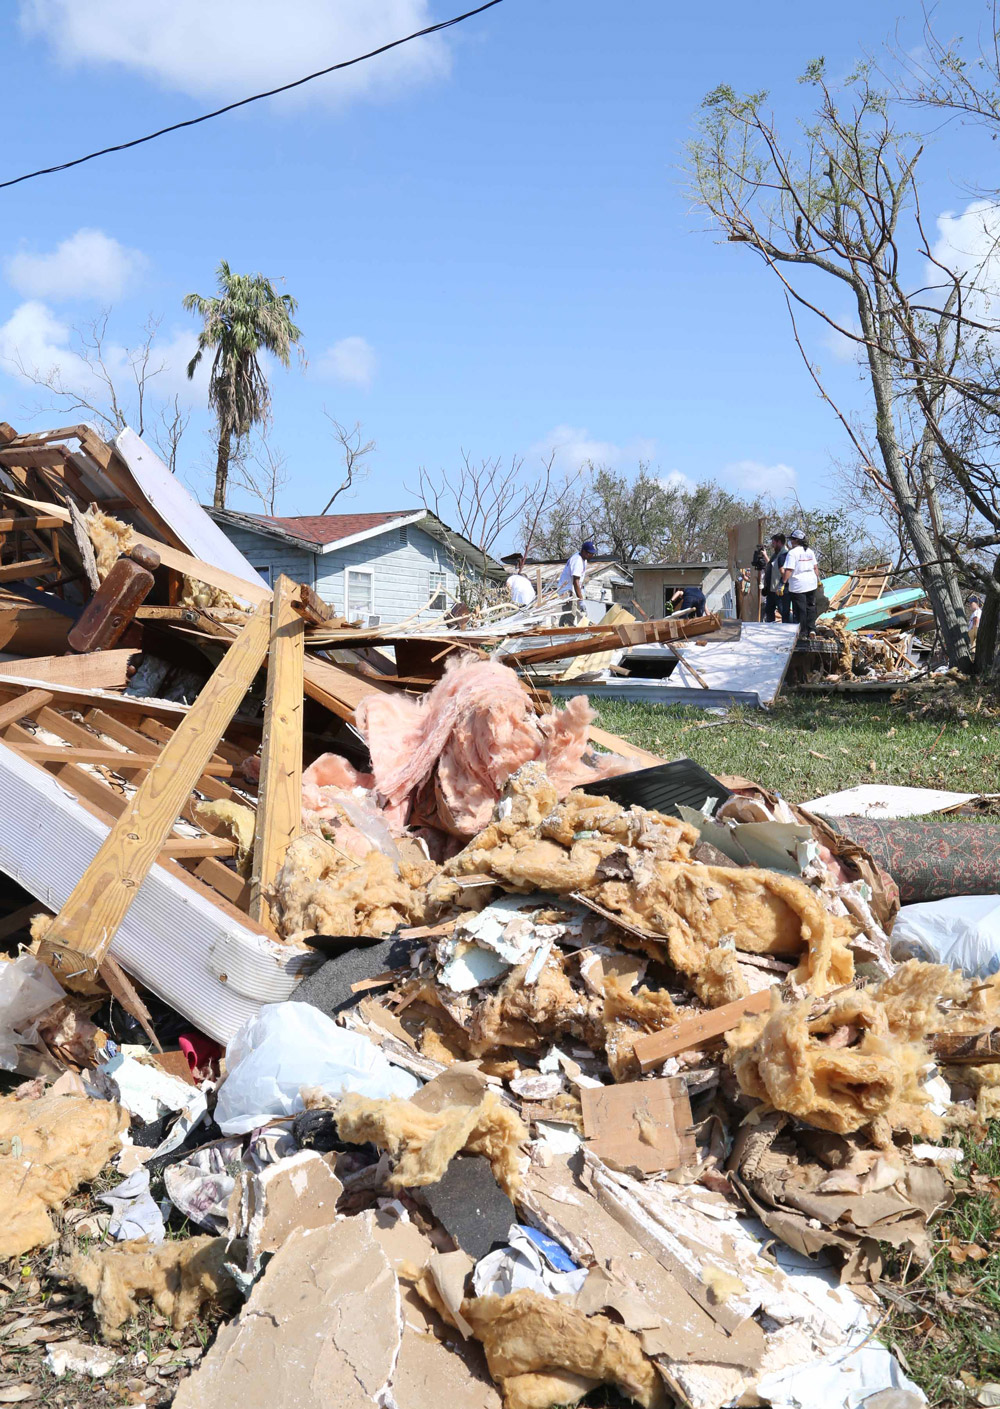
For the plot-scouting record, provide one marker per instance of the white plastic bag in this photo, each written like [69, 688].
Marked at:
[290, 1045]
[962, 932]
[27, 989]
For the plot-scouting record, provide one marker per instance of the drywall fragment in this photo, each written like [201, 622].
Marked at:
[321, 1327]
[470, 1205]
[640, 1126]
[451, 1113]
[79, 1358]
[48, 1147]
[435, 1358]
[178, 1278]
[300, 1192]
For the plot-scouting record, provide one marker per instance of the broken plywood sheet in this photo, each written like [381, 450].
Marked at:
[322, 1327]
[885, 800]
[642, 1126]
[189, 952]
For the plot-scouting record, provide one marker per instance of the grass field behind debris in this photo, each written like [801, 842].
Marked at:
[807, 746]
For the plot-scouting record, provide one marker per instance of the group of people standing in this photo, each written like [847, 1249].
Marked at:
[791, 581]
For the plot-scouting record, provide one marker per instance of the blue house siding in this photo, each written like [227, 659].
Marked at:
[402, 583]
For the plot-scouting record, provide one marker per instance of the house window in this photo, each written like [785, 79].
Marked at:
[359, 597]
[439, 591]
[403, 539]
[265, 572]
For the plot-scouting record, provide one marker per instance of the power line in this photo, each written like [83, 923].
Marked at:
[255, 98]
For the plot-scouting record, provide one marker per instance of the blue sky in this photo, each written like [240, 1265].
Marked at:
[487, 234]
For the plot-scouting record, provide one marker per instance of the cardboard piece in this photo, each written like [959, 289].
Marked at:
[640, 1126]
[321, 1326]
[654, 1048]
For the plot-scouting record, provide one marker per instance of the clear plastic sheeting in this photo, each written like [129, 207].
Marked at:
[287, 1046]
[27, 989]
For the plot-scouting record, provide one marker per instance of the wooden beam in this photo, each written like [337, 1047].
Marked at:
[31, 567]
[30, 521]
[656, 1047]
[81, 933]
[183, 848]
[279, 800]
[614, 744]
[103, 670]
[22, 706]
[115, 759]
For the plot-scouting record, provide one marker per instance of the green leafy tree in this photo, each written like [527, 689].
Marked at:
[247, 317]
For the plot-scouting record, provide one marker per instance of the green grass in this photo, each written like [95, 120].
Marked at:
[948, 1336]
[806, 746]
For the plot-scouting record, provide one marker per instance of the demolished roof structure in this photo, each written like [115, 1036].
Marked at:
[484, 1076]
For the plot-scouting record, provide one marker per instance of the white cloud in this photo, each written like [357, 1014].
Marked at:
[840, 346]
[677, 480]
[968, 243]
[755, 477]
[37, 346]
[350, 360]
[574, 447]
[231, 48]
[88, 264]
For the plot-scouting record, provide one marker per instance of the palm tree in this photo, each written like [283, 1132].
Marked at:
[246, 317]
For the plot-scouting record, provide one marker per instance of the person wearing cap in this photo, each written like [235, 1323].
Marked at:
[571, 580]
[801, 580]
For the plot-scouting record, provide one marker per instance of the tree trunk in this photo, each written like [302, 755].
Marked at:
[222, 468]
[938, 577]
[989, 622]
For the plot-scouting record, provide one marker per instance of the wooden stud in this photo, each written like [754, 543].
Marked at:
[114, 759]
[682, 1036]
[31, 567]
[82, 932]
[23, 705]
[279, 802]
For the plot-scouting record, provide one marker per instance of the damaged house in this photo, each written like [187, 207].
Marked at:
[388, 566]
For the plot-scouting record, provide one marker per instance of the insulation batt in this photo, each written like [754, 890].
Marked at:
[542, 1352]
[48, 1148]
[423, 1142]
[474, 729]
[178, 1277]
[110, 538]
[793, 1057]
[637, 864]
[336, 798]
[320, 890]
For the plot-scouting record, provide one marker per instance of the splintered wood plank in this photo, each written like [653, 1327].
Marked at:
[615, 744]
[279, 800]
[103, 670]
[689, 1033]
[82, 932]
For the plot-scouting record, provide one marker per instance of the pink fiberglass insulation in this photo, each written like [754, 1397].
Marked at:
[476, 727]
[340, 803]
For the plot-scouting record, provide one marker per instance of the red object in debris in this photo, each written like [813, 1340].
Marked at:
[112, 607]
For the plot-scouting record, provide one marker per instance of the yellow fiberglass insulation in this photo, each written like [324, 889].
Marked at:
[178, 1277]
[423, 1142]
[854, 1058]
[637, 864]
[48, 1148]
[696, 907]
[110, 538]
[239, 823]
[320, 890]
[543, 1352]
[199, 594]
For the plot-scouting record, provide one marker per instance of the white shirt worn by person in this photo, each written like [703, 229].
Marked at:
[522, 594]
[802, 562]
[576, 567]
[975, 616]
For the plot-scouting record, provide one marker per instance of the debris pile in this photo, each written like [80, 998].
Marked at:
[488, 1056]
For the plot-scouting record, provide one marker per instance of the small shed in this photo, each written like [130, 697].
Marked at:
[655, 583]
